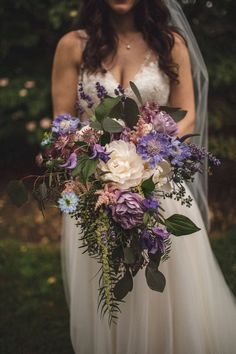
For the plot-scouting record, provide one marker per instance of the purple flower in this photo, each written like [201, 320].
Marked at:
[84, 96]
[101, 91]
[65, 123]
[128, 210]
[153, 147]
[179, 152]
[164, 123]
[154, 240]
[71, 162]
[99, 152]
[150, 203]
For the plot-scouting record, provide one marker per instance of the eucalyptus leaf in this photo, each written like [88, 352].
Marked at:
[155, 279]
[111, 126]
[118, 111]
[180, 225]
[136, 91]
[148, 185]
[129, 255]
[131, 112]
[123, 286]
[43, 190]
[17, 192]
[106, 106]
[96, 125]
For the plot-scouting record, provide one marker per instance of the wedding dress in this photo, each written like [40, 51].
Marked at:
[196, 313]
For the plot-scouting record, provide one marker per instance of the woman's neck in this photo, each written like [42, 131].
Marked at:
[123, 24]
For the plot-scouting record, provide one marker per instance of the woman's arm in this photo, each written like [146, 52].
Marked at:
[182, 94]
[65, 71]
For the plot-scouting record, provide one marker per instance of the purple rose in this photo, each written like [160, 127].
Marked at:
[164, 123]
[128, 210]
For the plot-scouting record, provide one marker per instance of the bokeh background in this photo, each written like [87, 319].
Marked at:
[34, 316]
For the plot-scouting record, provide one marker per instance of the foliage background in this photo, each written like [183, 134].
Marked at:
[34, 319]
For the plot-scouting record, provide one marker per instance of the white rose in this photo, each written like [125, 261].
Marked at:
[125, 166]
[161, 175]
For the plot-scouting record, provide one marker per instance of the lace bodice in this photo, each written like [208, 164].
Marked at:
[151, 81]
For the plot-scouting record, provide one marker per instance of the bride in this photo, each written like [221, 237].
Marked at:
[121, 41]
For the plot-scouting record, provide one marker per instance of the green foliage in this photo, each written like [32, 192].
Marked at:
[180, 225]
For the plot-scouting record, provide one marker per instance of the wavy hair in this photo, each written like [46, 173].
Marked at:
[151, 18]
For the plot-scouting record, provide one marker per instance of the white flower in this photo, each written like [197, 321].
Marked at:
[161, 175]
[125, 166]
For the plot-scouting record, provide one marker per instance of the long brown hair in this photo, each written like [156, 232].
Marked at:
[151, 18]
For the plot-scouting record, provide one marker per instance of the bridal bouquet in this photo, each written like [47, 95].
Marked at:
[111, 173]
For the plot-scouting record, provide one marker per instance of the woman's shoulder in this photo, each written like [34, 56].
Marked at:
[180, 47]
[73, 43]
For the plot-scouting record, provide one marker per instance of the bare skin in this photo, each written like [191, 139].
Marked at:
[68, 56]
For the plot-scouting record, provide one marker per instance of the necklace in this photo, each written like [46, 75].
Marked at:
[127, 43]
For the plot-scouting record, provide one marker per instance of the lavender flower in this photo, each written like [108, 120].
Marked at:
[154, 240]
[71, 162]
[101, 91]
[64, 124]
[153, 147]
[99, 152]
[119, 90]
[68, 202]
[84, 96]
[128, 210]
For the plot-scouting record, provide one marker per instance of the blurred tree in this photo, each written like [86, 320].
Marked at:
[30, 31]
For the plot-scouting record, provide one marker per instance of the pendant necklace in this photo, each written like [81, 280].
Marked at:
[127, 44]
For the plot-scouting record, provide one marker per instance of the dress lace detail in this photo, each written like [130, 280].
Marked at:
[152, 82]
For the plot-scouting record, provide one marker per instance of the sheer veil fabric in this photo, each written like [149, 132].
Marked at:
[196, 313]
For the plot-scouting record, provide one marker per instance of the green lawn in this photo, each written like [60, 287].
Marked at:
[34, 316]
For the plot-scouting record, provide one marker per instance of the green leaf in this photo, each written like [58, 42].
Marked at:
[111, 126]
[155, 259]
[105, 107]
[43, 190]
[146, 218]
[155, 279]
[17, 192]
[136, 91]
[96, 125]
[129, 255]
[89, 168]
[175, 112]
[80, 164]
[180, 225]
[118, 111]
[148, 185]
[105, 139]
[131, 112]
[123, 286]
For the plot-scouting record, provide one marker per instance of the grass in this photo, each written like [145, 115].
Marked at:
[34, 315]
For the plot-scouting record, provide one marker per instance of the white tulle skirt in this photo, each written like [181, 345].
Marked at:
[196, 313]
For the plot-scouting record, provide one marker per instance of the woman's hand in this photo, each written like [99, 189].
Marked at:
[182, 94]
